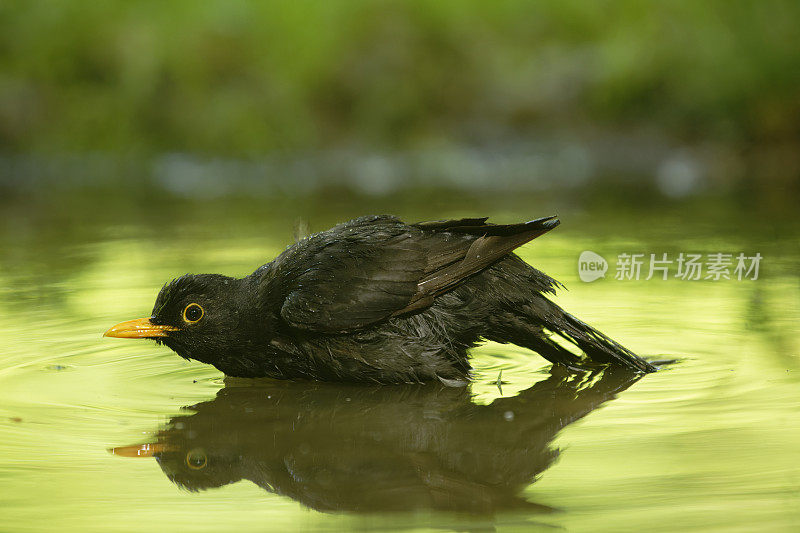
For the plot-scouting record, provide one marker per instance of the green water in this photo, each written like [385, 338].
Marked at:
[709, 443]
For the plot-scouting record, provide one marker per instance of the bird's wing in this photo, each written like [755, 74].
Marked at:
[486, 244]
[373, 268]
[352, 275]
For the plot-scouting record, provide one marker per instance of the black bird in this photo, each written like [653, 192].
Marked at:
[360, 448]
[375, 299]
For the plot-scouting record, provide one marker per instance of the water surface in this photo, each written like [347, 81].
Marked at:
[708, 443]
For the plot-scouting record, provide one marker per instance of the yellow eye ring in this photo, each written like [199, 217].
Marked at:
[196, 459]
[193, 313]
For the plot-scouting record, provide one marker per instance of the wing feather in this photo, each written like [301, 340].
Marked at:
[372, 268]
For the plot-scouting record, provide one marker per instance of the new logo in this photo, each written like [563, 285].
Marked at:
[591, 266]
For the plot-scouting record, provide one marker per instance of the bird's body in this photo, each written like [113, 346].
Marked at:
[375, 299]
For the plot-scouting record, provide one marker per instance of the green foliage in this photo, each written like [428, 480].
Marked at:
[238, 78]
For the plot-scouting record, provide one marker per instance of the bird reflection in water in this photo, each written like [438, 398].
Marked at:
[344, 447]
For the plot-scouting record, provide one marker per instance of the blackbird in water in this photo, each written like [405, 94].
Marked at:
[378, 300]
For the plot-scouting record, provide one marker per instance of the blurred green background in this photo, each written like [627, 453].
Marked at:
[206, 99]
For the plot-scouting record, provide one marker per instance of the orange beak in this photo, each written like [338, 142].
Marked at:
[139, 450]
[141, 328]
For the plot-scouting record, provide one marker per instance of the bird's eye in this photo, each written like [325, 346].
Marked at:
[193, 313]
[196, 459]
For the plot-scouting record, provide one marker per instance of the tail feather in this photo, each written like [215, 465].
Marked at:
[598, 347]
[537, 325]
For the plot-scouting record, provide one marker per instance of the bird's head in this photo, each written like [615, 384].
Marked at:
[196, 316]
